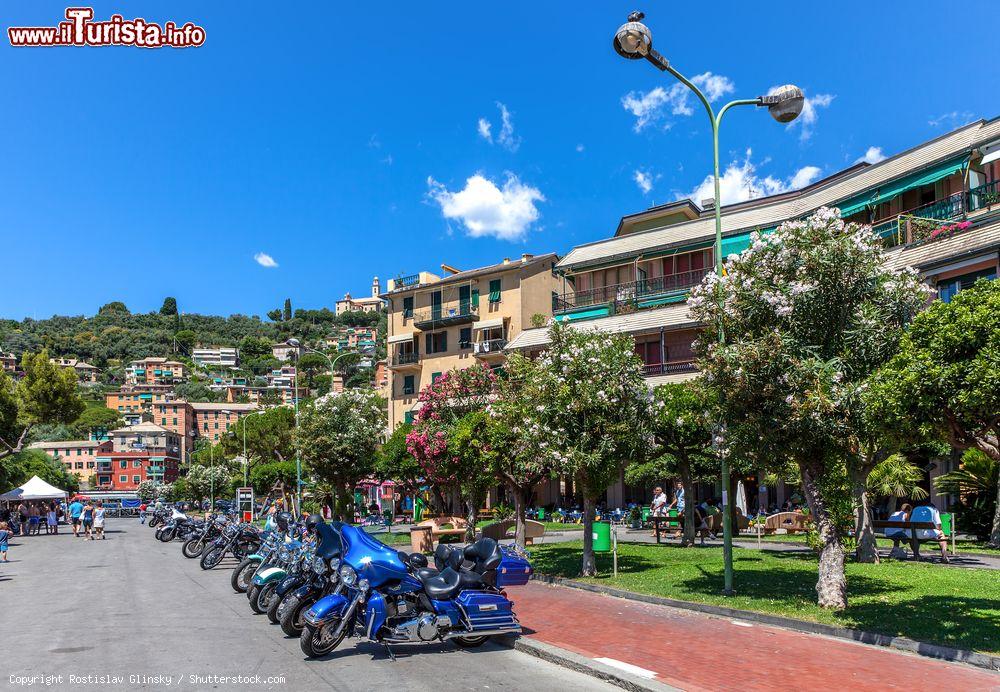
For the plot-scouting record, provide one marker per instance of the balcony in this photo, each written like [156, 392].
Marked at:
[915, 225]
[654, 369]
[405, 361]
[492, 348]
[447, 315]
[633, 294]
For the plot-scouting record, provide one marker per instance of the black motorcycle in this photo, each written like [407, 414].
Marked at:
[202, 536]
[320, 578]
[239, 539]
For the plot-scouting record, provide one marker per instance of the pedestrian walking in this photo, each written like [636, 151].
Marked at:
[87, 519]
[142, 513]
[34, 519]
[4, 538]
[99, 519]
[75, 510]
[52, 520]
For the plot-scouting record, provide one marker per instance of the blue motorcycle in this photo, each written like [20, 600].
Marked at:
[391, 597]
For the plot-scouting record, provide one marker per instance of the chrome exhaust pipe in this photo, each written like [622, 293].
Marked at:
[513, 629]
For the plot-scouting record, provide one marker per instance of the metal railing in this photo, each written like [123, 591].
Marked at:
[630, 291]
[489, 346]
[650, 369]
[405, 358]
[984, 196]
[448, 312]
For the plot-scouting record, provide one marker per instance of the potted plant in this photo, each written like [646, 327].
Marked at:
[635, 517]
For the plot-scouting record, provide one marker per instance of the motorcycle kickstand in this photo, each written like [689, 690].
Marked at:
[388, 650]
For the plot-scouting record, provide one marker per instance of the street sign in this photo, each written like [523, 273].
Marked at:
[245, 503]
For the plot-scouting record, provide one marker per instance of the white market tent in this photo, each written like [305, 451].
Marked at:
[34, 489]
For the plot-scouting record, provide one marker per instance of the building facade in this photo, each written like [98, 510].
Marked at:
[373, 303]
[155, 371]
[145, 451]
[438, 324]
[76, 456]
[216, 357]
[8, 363]
[212, 420]
[85, 372]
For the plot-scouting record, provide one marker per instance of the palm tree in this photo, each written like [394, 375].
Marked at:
[975, 484]
[896, 477]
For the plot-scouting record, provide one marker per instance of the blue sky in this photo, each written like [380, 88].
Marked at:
[344, 142]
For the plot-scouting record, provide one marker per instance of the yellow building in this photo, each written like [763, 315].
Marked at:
[437, 323]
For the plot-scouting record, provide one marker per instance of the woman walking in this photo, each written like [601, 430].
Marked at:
[88, 521]
[52, 520]
[99, 520]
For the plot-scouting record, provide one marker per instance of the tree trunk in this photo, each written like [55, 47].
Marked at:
[588, 567]
[867, 549]
[439, 502]
[831, 588]
[520, 502]
[473, 519]
[995, 531]
[690, 501]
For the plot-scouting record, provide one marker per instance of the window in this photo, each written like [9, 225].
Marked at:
[437, 342]
[408, 417]
[434, 377]
[407, 307]
[123, 464]
[79, 464]
[136, 479]
[136, 464]
[175, 421]
[123, 479]
[90, 464]
[206, 426]
[475, 297]
[216, 425]
[465, 338]
[408, 385]
[163, 421]
[495, 291]
[79, 452]
[948, 288]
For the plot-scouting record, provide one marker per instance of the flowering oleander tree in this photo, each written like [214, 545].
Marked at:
[338, 437]
[808, 313]
[946, 377]
[444, 403]
[595, 412]
[527, 450]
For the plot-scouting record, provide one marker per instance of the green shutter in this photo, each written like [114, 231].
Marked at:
[475, 297]
[444, 342]
[495, 291]
[429, 338]
[408, 417]
[434, 377]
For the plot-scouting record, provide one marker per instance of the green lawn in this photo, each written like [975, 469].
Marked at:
[962, 546]
[944, 605]
[549, 526]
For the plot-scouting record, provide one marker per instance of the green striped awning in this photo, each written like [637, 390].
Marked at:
[894, 189]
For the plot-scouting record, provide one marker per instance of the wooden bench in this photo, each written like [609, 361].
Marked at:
[913, 527]
[792, 522]
[437, 525]
[501, 529]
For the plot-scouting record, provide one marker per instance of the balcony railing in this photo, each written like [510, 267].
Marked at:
[445, 315]
[405, 358]
[984, 196]
[906, 227]
[490, 347]
[632, 291]
[652, 369]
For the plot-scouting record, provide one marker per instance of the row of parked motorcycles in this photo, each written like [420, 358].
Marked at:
[324, 581]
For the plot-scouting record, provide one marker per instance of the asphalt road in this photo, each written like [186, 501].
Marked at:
[132, 613]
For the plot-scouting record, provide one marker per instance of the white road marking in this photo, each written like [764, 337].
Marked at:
[627, 667]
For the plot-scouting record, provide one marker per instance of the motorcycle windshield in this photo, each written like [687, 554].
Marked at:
[370, 558]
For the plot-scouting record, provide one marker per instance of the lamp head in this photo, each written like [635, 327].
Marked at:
[633, 40]
[784, 103]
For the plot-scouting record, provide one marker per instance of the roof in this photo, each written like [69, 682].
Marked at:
[146, 426]
[470, 274]
[66, 443]
[671, 317]
[223, 406]
[767, 212]
[984, 238]
[151, 359]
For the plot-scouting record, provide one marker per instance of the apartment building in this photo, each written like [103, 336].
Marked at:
[285, 352]
[212, 420]
[363, 339]
[937, 207]
[145, 451]
[155, 371]
[216, 357]
[264, 394]
[85, 372]
[134, 400]
[8, 363]
[372, 303]
[440, 323]
[77, 456]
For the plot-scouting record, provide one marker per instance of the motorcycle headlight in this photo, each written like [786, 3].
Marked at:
[319, 565]
[283, 554]
[363, 584]
[348, 575]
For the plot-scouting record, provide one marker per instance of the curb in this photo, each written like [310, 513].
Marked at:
[582, 664]
[943, 653]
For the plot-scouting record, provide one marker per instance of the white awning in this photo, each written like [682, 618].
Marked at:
[489, 324]
[399, 338]
[991, 156]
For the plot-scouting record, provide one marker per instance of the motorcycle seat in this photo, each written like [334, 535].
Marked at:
[449, 583]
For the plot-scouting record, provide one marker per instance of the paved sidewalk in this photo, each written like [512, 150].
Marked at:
[699, 652]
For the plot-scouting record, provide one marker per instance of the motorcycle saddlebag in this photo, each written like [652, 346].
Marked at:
[487, 611]
[513, 570]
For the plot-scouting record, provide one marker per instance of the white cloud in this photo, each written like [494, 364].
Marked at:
[485, 209]
[952, 119]
[644, 180]
[265, 260]
[810, 114]
[740, 182]
[505, 137]
[650, 107]
[579, 148]
[873, 155]
[485, 130]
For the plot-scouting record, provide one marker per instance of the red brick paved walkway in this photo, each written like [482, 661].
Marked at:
[698, 652]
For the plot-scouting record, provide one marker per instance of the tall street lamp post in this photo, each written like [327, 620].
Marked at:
[634, 41]
[294, 343]
[246, 461]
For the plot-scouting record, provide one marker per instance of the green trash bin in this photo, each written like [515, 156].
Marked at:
[602, 537]
[946, 523]
[645, 514]
[418, 510]
[541, 514]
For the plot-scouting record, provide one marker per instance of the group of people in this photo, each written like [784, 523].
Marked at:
[27, 518]
[87, 519]
[660, 507]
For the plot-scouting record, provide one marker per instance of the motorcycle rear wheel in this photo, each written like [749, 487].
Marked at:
[212, 557]
[320, 641]
[265, 595]
[469, 642]
[242, 574]
[193, 547]
[291, 618]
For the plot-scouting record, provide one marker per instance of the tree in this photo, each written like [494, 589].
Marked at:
[286, 315]
[974, 484]
[338, 436]
[169, 306]
[19, 468]
[683, 445]
[470, 452]
[253, 347]
[946, 376]
[98, 420]
[185, 339]
[264, 476]
[197, 392]
[518, 433]
[808, 313]
[114, 308]
[274, 315]
[394, 461]
[268, 437]
[46, 394]
[896, 477]
[594, 412]
[149, 490]
[201, 480]
[310, 365]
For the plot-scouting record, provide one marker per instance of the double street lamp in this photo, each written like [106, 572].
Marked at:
[634, 41]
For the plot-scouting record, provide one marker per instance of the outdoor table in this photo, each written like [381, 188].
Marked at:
[656, 524]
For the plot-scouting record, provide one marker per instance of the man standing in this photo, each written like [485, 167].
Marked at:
[75, 510]
[658, 506]
[679, 504]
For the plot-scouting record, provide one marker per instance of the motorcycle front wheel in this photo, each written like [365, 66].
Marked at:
[193, 547]
[212, 557]
[320, 641]
[292, 610]
[275, 608]
[153, 522]
[167, 535]
[265, 595]
[242, 574]
[469, 642]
